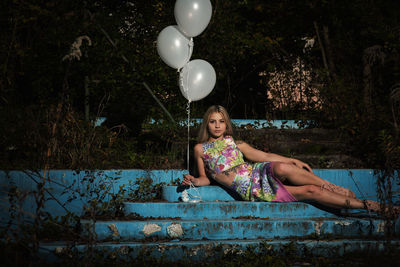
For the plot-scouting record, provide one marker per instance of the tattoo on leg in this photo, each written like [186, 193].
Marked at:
[347, 204]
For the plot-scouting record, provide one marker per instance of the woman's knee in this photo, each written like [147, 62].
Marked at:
[282, 169]
[311, 191]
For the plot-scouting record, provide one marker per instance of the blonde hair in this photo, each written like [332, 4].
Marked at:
[204, 135]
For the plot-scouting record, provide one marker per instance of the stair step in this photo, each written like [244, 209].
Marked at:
[207, 193]
[220, 210]
[236, 228]
[209, 250]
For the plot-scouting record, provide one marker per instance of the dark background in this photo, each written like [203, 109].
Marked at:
[353, 67]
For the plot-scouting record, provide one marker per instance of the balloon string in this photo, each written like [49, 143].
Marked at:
[190, 44]
[190, 51]
[188, 133]
[181, 83]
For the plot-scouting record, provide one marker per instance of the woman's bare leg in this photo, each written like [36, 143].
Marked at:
[334, 200]
[325, 197]
[298, 176]
[295, 175]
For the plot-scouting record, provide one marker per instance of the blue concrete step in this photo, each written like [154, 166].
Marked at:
[219, 225]
[220, 210]
[208, 193]
[205, 249]
[216, 229]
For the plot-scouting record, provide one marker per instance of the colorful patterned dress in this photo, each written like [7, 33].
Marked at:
[253, 182]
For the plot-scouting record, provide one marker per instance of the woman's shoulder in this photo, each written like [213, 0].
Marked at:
[198, 149]
[198, 146]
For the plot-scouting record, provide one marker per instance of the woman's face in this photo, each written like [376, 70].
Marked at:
[216, 125]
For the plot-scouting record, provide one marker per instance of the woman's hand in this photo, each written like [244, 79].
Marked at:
[189, 179]
[302, 165]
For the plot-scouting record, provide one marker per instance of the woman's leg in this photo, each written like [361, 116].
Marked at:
[298, 176]
[334, 200]
[295, 175]
[324, 197]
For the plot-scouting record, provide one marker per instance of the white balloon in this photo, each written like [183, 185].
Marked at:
[192, 16]
[197, 79]
[174, 48]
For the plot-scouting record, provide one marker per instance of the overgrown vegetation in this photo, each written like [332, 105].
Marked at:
[262, 255]
[25, 228]
[63, 65]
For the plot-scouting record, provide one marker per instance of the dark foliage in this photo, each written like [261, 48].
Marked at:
[353, 67]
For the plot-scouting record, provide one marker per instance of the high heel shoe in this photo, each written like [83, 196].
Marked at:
[338, 189]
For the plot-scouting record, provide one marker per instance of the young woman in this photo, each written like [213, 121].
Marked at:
[270, 178]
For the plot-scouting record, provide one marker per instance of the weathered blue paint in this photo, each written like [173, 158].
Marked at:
[217, 222]
[220, 210]
[69, 191]
[64, 185]
[242, 228]
[363, 182]
[207, 193]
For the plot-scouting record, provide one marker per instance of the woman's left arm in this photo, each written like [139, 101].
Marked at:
[259, 156]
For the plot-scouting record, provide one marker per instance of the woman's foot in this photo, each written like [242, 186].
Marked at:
[338, 189]
[372, 206]
[376, 207]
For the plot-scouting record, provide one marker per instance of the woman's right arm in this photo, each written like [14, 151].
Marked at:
[202, 179]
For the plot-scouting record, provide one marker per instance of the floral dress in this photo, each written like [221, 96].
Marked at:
[253, 182]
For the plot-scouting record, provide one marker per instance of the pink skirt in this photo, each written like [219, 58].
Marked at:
[257, 182]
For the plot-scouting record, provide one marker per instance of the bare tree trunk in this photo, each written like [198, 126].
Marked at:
[321, 45]
[371, 56]
[395, 104]
[329, 53]
[228, 94]
[368, 85]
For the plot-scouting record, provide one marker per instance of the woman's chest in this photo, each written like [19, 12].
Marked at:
[221, 158]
